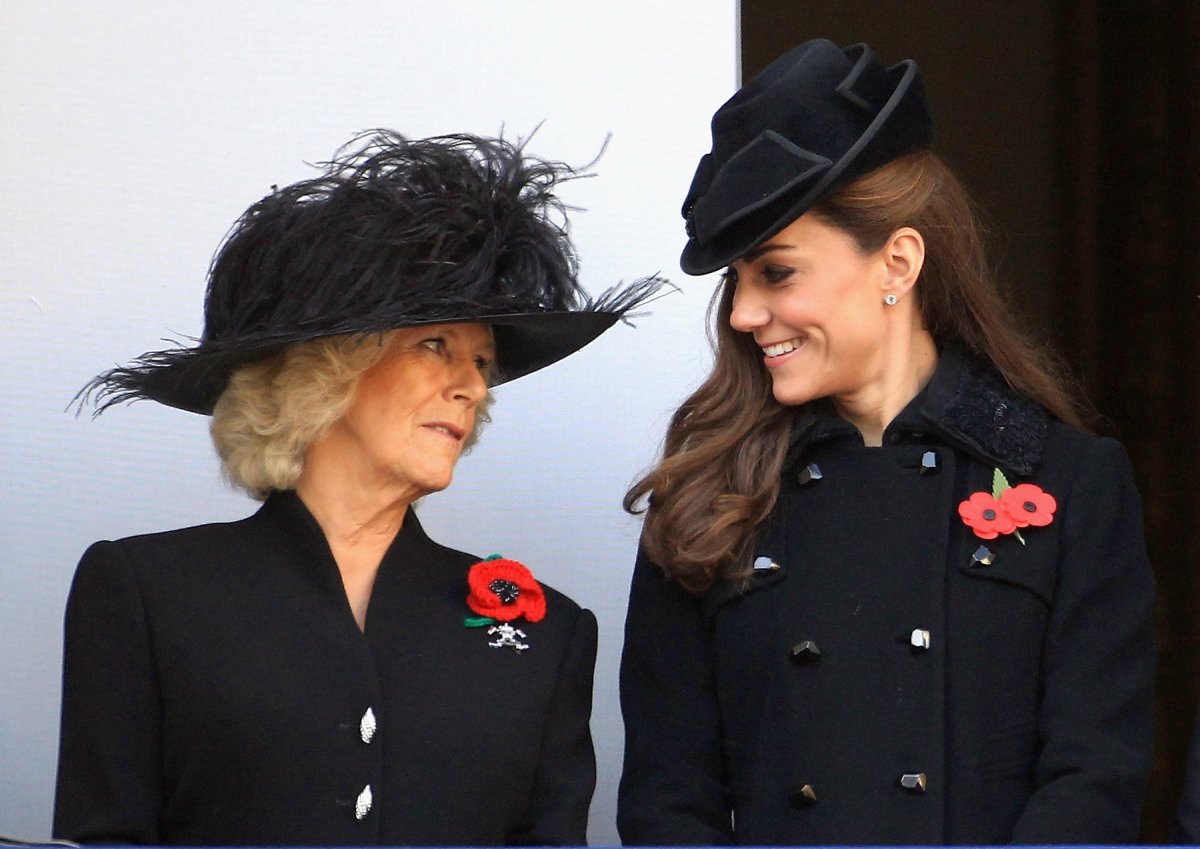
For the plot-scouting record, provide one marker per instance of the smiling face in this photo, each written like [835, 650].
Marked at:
[814, 303]
[413, 411]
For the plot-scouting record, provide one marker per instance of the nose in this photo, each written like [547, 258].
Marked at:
[748, 312]
[468, 383]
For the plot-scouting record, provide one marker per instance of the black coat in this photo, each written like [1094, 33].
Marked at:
[216, 688]
[809, 707]
[1187, 820]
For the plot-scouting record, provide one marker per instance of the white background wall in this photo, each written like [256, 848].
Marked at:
[131, 136]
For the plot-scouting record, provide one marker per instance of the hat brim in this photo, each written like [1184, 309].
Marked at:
[868, 152]
[193, 379]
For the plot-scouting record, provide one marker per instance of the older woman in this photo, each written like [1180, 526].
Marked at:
[322, 672]
[890, 591]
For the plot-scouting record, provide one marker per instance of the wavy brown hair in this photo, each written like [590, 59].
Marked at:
[723, 456]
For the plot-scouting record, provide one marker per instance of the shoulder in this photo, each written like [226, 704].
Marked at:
[1084, 460]
[192, 539]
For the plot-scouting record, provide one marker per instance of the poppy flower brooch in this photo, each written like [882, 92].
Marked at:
[502, 591]
[1007, 509]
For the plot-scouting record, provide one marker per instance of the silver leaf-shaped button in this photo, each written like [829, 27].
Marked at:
[366, 726]
[362, 805]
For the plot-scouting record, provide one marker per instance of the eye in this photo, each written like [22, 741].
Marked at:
[776, 273]
[435, 343]
[486, 367]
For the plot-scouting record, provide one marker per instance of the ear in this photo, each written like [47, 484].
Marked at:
[904, 256]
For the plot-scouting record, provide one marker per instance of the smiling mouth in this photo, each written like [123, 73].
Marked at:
[778, 349]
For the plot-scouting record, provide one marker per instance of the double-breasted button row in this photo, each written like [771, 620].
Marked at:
[805, 796]
[928, 464]
[807, 651]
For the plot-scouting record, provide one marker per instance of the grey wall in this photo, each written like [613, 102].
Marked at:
[132, 134]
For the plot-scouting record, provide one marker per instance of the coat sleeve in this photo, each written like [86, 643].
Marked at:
[109, 783]
[566, 774]
[673, 788]
[1096, 712]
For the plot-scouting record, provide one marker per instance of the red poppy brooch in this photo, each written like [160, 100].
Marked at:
[1007, 509]
[502, 591]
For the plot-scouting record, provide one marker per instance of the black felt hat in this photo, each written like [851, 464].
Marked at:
[395, 232]
[814, 118]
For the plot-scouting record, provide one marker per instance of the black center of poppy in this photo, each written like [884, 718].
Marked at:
[989, 514]
[507, 590]
[1030, 507]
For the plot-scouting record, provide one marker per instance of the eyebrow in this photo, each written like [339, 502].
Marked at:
[755, 253]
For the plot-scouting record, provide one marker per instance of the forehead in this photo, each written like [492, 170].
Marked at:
[807, 234]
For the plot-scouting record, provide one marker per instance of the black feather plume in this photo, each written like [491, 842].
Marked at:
[394, 232]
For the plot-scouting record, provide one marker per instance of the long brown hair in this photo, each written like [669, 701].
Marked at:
[723, 456]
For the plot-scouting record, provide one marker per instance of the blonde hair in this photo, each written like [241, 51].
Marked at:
[274, 409]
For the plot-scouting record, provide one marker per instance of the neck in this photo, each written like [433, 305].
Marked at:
[906, 363]
[359, 513]
[356, 509]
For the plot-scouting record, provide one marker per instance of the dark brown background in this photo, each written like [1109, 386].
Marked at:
[1075, 126]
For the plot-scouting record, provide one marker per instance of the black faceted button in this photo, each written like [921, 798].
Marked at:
[805, 652]
[929, 463]
[914, 782]
[809, 474]
[983, 556]
[804, 797]
[764, 563]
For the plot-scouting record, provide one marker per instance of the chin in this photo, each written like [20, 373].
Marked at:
[791, 395]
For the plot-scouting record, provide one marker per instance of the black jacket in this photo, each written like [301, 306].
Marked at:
[216, 691]
[892, 682]
[1187, 819]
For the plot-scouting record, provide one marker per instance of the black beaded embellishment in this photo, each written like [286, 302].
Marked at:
[506, 590]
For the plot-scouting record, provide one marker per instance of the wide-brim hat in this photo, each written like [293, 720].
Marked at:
[395, 233]
[815, 118]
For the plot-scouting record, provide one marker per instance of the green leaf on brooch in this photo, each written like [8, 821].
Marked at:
[478, 621]
[999, 482]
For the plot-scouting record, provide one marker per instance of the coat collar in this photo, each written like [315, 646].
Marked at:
[966, 403]
[412, 558]
[284, 507]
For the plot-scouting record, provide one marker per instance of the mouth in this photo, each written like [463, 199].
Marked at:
[448, 429]
[776, 351]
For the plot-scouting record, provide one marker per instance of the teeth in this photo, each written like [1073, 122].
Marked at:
[782, 347]
[443, 429]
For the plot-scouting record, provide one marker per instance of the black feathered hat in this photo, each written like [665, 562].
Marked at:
[395, 232]
[813, 119]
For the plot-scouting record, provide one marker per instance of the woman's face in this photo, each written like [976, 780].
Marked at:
[414, 409]
[814, 304]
